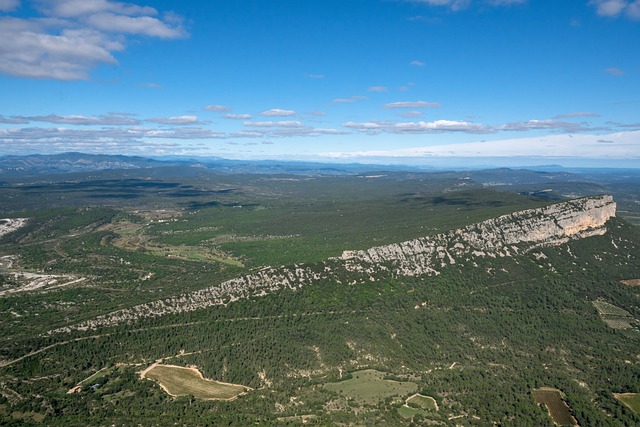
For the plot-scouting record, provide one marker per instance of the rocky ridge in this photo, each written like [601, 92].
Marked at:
[504, 236]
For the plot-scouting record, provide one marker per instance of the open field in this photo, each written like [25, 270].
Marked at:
[180, 381]
[369, 386]
[132, 237]
[631, 282]
[418, 404]
[409, 412]
[423, 402]
[632, 400]
[555, 404]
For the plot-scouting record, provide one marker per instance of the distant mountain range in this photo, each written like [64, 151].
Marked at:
[39, 164]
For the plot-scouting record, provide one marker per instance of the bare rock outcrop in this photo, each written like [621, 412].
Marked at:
[514, 233]
[504, 236]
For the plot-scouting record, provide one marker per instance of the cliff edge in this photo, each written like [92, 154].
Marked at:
[504, 236]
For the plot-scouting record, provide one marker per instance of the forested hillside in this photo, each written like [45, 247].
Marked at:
[469, 345]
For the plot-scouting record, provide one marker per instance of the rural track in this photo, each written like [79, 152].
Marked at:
[6, 363]
[33, 353]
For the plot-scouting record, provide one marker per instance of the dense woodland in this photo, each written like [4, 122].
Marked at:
[478, 338]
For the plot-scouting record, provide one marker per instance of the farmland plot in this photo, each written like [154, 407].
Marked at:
[632, 400]
[558, 409]
[180, 381]
[614, 317]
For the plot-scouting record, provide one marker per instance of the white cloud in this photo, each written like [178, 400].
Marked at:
[365, 125]
[633, 11]
[117, 135]
[284, 130]
[139, 25]
[76, 8]
[629, 125]
[439, 126]
[576, 114]
[543, 124]
[13, 120]
[622, 145]
[614, 71]
[184, 133]
[237, 116]
[306, 131]
[454, 5]
[277, 112]
[417, 63]
[178, 120]
[421, 127]
[315, 76]
[615, 8]
[412, 104]
[506, 2]
[9, 5]
[609, 7]
[370, 128]
[375, 127]
[74, 36]
[290, 123]
[342, 100]
[457, 5]
[67, 55]
[78, 120]
[377, 89]
[217, 108]
[411, 114]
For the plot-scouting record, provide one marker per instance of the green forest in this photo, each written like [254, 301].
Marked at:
[478, 339]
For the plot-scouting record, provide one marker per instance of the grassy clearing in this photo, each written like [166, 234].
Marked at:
[424, 402]
[408, 413]
[180, 381]
[418, 404]
[133, 237]
[558, 409]
[631, 282]
[631, 400]
[369, 386]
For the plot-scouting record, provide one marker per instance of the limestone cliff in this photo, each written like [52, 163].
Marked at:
[504, 236]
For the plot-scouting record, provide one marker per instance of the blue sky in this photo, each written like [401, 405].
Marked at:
[347, 80]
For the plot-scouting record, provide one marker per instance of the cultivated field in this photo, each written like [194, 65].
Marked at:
[632, 400]
[614, 317]
[557, 407]
[180, 381]
[369, 386]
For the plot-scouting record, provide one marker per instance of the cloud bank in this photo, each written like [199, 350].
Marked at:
[620, 145]
[68, 38]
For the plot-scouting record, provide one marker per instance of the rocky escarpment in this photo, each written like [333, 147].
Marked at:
[504, 236]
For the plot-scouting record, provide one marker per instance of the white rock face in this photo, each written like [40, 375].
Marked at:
[504, 236]
[8, 225]
[552, 225]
